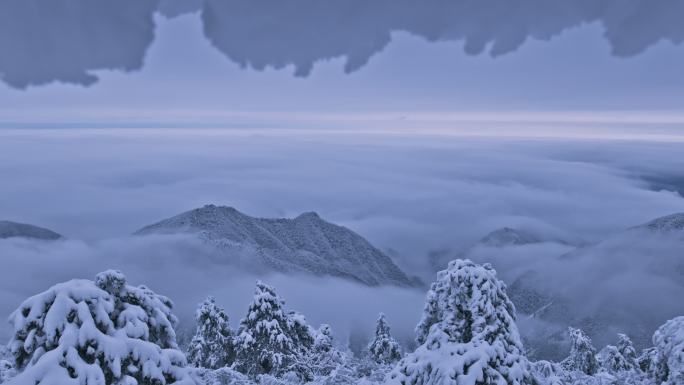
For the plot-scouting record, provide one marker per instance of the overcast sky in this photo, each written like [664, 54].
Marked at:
[205, 65]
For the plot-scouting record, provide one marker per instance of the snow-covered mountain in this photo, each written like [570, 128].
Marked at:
[666, 224]
[306, 243]
[507, 236]
[13, 229]
[615, 285]
[492, 243]
[606, 287]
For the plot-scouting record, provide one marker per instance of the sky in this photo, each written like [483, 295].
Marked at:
[421, 125]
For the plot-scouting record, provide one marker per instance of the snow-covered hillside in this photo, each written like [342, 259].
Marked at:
[507, 236]
[13, 229]
[306, 243]
[610, 286]
[668, 223]
[493, 242]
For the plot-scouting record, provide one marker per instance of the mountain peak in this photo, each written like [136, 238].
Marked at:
[673, 222]
[310, 215]
[508, 236]
[306, 243]
[211, 208]
[10, 229]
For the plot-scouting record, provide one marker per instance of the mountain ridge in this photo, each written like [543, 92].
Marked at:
[305, 243]
[667, 223]
[9, 229]
[508, 236]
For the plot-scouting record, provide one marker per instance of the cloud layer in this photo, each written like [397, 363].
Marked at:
[630, 283]
[186, 271]
[47, 41]
[267, 33]
[409, 193]
[65, 41]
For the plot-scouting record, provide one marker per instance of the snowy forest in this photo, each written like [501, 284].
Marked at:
[105, 331]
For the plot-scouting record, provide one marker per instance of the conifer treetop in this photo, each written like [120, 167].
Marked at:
[468, 302]
[582, 356]
[669, 342]
[271, 341]
[467, 333]
[212, 346]
[384, 349]
[100, 331]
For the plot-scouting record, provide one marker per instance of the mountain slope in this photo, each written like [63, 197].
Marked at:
[496, 242]
[630, 282]
[507, 236]
[668, 223]
[306, 243]
[10, 229]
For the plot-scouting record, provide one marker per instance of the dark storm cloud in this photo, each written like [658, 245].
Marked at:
[263, 33]
[65, 40]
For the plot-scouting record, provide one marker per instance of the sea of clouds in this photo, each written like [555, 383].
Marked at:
[409, 194]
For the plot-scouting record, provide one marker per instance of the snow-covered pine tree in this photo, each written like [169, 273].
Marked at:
[548, 373]
[303, 335]
[6, 365]
[212, 346]
[648, 361]
[323, 358]
[305, 365]
[6, 371]
[270, 341]
[610, 359]
[618, 359]
[669, 343]
[323, 340]
[97, 333]
[626, 349]
[582, 353]
[468, 334]
[384, 349]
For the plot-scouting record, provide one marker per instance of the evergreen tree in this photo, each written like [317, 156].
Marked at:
[302, 334]
[305, 363]
[467, 333]
[610, 359]
[323, 341]
[648, 361]
[101, 332]
[384, 349]
[323, 358]
[669, 344]
[582, 353]
[6, 365]
[212, 346]
[618, 359]
[6, 371]
[548, 373]
[269, 340]
[626, 349]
